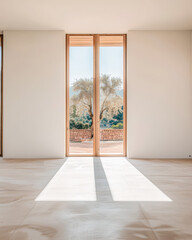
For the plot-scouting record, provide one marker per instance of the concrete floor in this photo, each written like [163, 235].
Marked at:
[105, 147]
[91, 198]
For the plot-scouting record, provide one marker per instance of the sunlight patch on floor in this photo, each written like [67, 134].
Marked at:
[75, 181]
[128, 184]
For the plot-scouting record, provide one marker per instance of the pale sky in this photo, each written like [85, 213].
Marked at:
[81, 62]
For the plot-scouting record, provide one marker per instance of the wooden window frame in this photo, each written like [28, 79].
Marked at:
[96, 92]
[1, 40]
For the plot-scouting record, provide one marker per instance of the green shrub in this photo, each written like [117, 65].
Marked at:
[78, 125]
[118, 126]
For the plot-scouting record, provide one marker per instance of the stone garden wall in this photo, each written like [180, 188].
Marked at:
[78, 135]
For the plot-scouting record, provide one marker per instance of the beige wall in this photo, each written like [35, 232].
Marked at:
[159, 94]
[33, 94]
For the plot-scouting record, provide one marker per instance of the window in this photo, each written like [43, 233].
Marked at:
[96, 95]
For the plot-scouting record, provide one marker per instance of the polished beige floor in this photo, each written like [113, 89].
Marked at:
[111, 215]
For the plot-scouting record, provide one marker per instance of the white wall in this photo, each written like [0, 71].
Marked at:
[33, 94]
[159, 94]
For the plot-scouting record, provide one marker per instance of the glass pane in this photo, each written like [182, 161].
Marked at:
[111, 95]
[81, 94]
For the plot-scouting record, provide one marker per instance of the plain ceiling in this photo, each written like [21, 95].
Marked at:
[95, 16]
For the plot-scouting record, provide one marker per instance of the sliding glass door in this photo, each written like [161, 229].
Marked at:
[80, 95]
[96, 95]
[111, 95]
